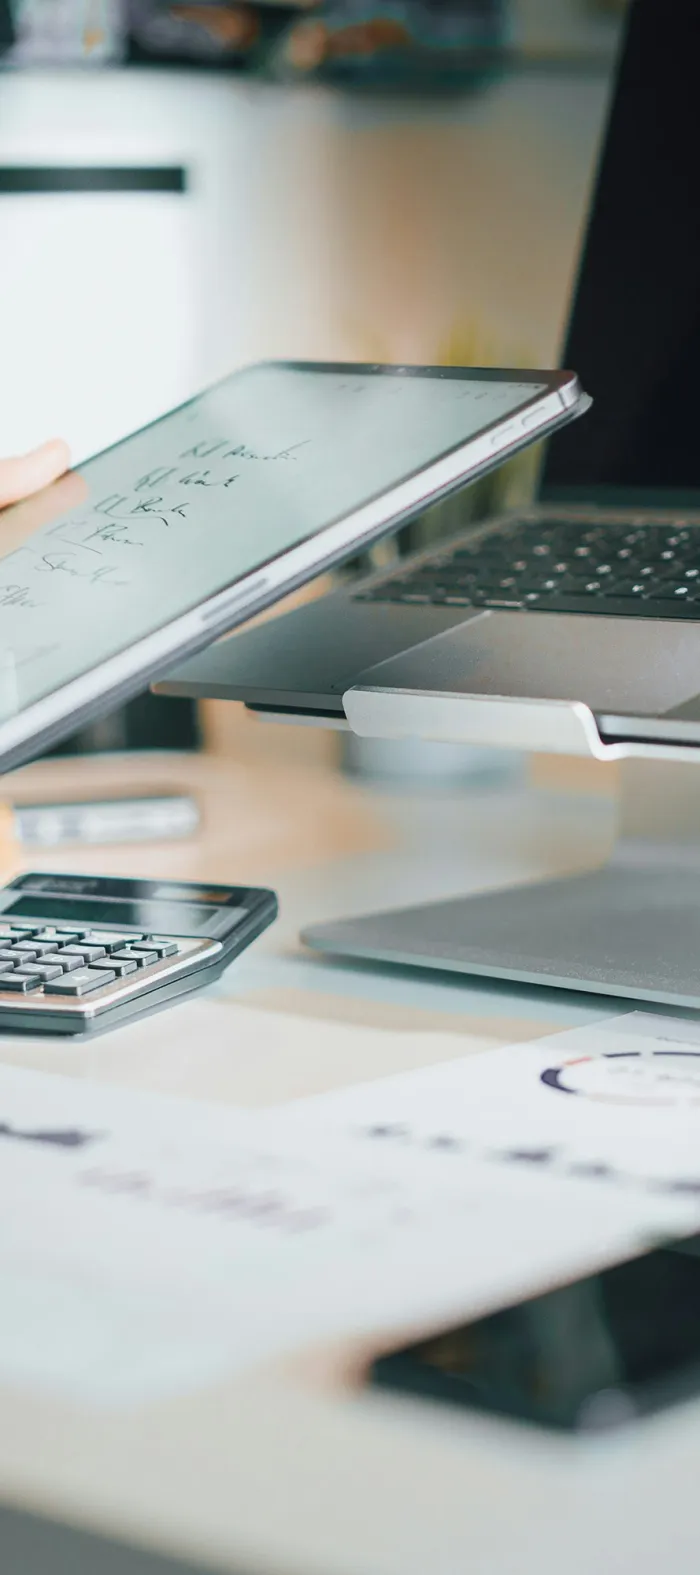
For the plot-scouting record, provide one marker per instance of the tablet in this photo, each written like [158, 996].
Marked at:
[168, 540]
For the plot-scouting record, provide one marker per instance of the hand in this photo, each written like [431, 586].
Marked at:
[19, 478]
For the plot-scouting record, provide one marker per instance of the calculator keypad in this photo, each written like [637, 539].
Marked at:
[48, 962]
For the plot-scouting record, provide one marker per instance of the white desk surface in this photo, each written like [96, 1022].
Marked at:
[298, 1470]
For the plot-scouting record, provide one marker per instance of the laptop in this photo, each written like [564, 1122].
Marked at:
[593, 595]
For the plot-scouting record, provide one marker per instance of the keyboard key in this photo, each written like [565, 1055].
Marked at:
[617, 607]
[35, 946]
[570, 584]
[664, 571]
[41, 972]
[162, 944]
[57, 937]
[60, 960]
[139, 954]
[535, 582]
[82, 982]
[629, 588]
[121, 969]
[23, 983]
[672, 608]
[88, 954]
[674, 593]
[110, 939]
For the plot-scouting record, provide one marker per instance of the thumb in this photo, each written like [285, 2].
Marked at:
[29, 473]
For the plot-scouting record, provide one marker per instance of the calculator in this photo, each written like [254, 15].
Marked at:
[81, 953]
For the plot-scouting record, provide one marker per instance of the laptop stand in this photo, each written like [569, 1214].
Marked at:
[630, 928]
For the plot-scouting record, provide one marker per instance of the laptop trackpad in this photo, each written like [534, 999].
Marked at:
[620, 665]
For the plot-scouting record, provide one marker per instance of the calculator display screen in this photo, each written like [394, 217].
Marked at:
[153, 917]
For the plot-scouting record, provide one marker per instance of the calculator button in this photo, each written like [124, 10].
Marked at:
[8, 957]
[56, 937]
[110, 939]
[22, 982]
[87, 953]
[25, 929]
[60, 960]
[139, 955]
[35, 946]
[41, 972]
[81, 982]
[162, 945]
[128, 965]
[24, 951]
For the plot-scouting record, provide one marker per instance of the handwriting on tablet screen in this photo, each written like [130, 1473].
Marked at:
[187, 506]
[90, 545]
[104, 544]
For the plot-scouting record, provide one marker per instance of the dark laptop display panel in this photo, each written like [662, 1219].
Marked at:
[634, 336]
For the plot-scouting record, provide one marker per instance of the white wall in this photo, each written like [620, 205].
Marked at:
[317, 224]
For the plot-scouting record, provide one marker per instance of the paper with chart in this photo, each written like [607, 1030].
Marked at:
[151, 1246]
[210, 494]
[616, 1105]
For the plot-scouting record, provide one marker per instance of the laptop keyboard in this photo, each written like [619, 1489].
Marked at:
[559, 565]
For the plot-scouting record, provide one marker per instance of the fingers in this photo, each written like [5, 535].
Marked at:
[42, 508]
[312, 44]
[29, 473]
[235, 28]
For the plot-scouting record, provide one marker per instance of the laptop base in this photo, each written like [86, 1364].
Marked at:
[630, 928]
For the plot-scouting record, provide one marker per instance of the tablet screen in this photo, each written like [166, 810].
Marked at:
[184, 508]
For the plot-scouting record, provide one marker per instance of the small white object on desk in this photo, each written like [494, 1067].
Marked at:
[146, 819]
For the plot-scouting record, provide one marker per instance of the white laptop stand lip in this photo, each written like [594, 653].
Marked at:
[630, 928]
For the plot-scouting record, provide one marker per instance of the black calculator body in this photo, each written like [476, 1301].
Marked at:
[82, 953]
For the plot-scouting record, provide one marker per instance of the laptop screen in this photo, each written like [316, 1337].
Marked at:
[634, 334]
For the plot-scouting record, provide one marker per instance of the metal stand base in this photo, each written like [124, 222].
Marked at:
[629, 929]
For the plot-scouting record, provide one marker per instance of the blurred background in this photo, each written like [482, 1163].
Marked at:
[186, 187]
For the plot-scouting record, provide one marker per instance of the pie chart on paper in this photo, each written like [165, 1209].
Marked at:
[630, 1077]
